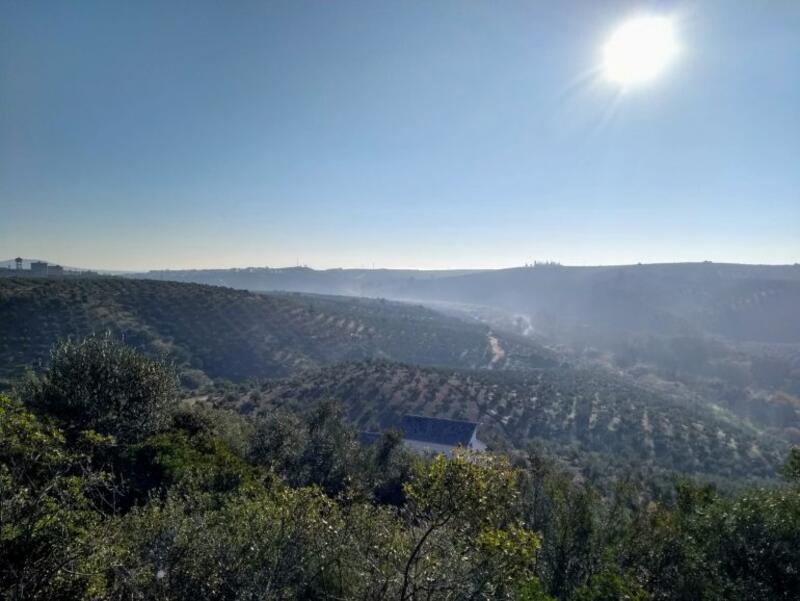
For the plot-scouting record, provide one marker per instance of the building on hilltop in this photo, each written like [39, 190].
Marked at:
[38, 268]
[44, 268]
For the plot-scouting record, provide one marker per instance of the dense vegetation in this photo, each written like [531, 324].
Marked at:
[112, 489]
[215, 332]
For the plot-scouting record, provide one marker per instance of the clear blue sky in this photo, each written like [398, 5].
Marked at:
[426, 134]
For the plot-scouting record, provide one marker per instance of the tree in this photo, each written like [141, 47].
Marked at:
[100, 384]
[51, 533]
[610, 586]
[466, 537]
[390, 468]
[330, 457]
[278, 442]
[791, 467]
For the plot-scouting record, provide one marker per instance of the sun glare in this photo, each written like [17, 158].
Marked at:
[639, 50]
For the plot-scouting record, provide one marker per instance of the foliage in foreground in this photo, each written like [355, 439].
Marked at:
[206, 504]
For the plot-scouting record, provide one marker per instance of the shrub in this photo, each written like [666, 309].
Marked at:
[51, 534]
[100, 384]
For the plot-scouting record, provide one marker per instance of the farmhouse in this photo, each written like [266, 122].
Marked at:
[433, 435]
[437, 435]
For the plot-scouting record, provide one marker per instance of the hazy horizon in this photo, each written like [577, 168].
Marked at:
[100, 268]
[404, 135]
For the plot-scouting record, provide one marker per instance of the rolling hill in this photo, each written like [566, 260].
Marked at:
[234, 334]
[383, 359]
[741, 302]
[572, 410]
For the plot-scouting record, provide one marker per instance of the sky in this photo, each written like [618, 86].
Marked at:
[415, 134]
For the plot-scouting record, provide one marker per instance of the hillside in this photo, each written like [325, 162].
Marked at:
[306, 347]
[722, 335]
[236, 334]
[741, 302]
[346, 282]
[572, 410]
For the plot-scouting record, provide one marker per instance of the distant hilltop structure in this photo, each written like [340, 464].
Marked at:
[540, 264]
[44, 268]
[36, 269]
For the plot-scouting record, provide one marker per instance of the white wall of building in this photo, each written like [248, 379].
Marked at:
[421, 446]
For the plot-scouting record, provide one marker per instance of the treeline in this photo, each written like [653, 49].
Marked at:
[110, 488]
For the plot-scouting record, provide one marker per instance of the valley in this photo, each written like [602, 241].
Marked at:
[645, 401]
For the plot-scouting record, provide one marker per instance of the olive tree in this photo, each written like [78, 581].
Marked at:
[103, 385]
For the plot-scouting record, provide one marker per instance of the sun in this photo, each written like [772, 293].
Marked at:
[639, 50]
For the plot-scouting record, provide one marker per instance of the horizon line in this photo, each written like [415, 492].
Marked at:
[534, 264]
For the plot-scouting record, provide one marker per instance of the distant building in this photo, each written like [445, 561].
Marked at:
[437, 435]
[38, 268]
[432, 435]
[55, 270]
[18, 262]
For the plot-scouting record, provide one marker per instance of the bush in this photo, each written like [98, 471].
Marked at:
[51, 533]
[100, 384]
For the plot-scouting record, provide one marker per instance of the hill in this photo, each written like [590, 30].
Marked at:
[344, 282]
[724, 335]
[571, 410]
[741, 302]
[304, 347]
[234, 334]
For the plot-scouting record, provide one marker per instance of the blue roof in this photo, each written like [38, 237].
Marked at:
[436, 430]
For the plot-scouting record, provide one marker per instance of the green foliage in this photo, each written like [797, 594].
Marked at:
[285, 542]
[742, 548]
[533, 591]
[276, 543]
[791, 467]
[475, 491]
[389, 466]
[317, 450]
[579, 528]
[102, 385]
[52, 535]
[170, 458]
[329, 458]
[464, 516]
[211, 506]
[611, 586]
